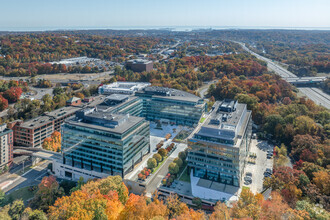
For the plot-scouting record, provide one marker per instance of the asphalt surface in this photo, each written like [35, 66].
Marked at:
[29, 178]
[317, 96]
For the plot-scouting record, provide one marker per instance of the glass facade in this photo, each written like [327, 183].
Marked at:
[180, 112]
[104, 151]
[217, 159]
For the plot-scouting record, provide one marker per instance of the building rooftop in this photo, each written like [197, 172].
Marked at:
[36, 122]
[105, 121]
[170, 93]
[139, 61]
[226, 120]
[62, 112]
[123, 87]
[73, 99]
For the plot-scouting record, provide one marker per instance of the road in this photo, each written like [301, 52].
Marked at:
[29, 178]
[316, 95]
[270, 64]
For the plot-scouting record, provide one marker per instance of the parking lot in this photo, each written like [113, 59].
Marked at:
[260, 149]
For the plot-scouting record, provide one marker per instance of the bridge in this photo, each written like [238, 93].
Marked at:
[305, 84]
[304, 81]
[38, 153]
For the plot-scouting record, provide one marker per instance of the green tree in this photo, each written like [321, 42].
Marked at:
[151, 163]
[162, 152]
[182, 155]
[173, 168]
[2, 197]
[178, 161]
[16, 209]
[197, 202]
[158, 157]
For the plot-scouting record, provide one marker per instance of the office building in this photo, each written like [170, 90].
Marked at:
[32, 133]
[219, 148]
[128, 88]
[6, 146]
[171, 105]
[140, 65]
[97, 144]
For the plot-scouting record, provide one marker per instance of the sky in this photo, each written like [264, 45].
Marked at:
[87, 14]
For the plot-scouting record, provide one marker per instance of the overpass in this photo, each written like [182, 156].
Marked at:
[316, 95]
[305, 81]
[38, 153]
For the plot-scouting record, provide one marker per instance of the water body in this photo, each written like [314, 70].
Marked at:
[171, 28]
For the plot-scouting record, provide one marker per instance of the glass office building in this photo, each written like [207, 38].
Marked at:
[219, 149]
[104, 142]
[173, 105]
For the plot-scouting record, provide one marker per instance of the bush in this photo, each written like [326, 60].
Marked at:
[152, 163]
[173, 168]
[162, 152]
[158, 157]
[164, 181]
[178, 161]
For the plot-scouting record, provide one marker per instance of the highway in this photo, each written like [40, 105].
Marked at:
[316, 95]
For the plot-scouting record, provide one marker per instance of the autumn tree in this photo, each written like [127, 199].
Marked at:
[48, 192]
[13, 94]
[3, 103]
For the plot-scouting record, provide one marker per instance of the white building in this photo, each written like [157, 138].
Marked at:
[122, 88]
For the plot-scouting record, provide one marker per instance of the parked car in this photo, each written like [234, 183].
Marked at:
[247, 178]
[248, 174]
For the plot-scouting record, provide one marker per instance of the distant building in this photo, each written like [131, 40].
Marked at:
[219, 148]
[6, 146]
[127, 88]
[97, 144]
[74, 101]
[140, 65]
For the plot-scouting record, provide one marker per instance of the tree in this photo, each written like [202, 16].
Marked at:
[281, 157]
[178, 161]
[30, 214]
[182, 155]
[305, 125]
[151, 163]
[80, 95]
[3, 103]
[174, 206]
[247, 205]
[13, 94]
[78, 186]
[2, 197]
[158, 157]
[162, 152]
[221, 211]
[48, 192]
[16, 209]
[173, 168]
[197, 202]
[322, 181]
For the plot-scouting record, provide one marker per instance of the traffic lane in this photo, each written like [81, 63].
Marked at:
[31, 177]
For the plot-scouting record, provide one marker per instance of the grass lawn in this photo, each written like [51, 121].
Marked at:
[202, 120]
[245, 187]
[157, 167]
[183, 172]
[22, 193]
[185, 177]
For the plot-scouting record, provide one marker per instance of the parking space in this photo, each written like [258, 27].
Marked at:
[259, 150]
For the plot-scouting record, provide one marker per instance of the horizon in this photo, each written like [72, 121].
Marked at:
[38, 15]
[159, 28]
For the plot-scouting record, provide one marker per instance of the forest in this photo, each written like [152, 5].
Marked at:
[29, 54]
